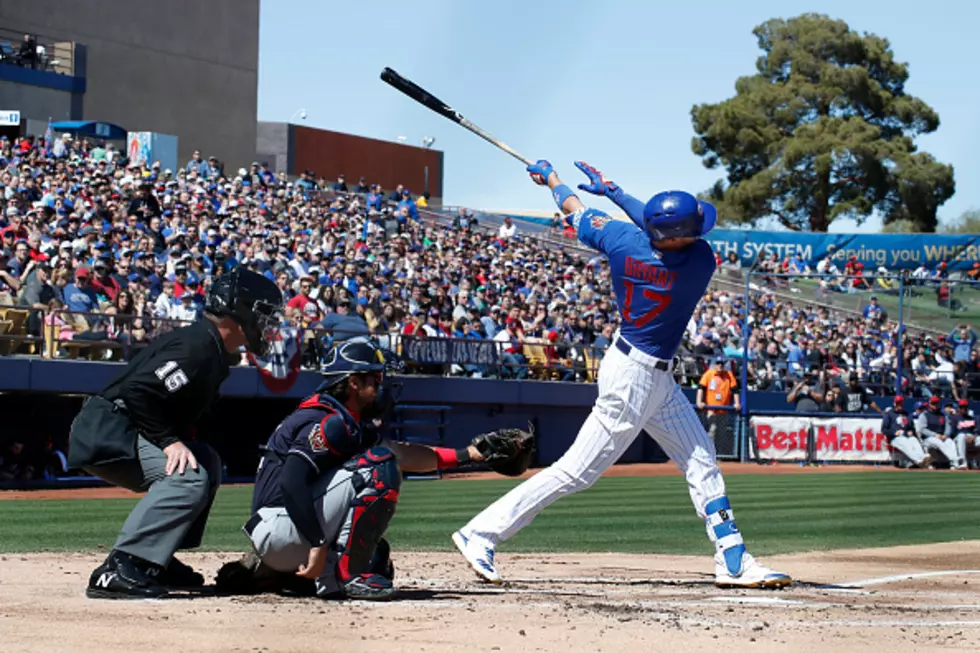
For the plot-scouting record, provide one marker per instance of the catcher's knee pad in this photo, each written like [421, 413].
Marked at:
[377, 481]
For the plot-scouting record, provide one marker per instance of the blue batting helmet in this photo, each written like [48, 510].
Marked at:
[676, 214]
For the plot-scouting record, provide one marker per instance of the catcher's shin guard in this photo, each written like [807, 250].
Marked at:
[377, 480]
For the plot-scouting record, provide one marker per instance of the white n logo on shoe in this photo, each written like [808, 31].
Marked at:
[105, 578]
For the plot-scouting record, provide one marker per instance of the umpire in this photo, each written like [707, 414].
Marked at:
[135, 434]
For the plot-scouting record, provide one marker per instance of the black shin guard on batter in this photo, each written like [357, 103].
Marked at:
[377, 480]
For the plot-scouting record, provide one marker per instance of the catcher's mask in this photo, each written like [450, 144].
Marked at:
[361, 355]
[251, 300]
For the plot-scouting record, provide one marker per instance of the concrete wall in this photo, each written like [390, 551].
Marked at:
[35, 102]
[272, 145]
[182, 67]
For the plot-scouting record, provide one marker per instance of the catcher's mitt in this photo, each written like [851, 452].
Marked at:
[506, 451]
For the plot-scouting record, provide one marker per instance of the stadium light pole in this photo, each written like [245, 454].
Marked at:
[427, 142]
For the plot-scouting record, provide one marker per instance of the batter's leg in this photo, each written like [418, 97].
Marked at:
[679, 432]
[626, 400]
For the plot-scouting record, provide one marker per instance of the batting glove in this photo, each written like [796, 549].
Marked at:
[540, 172]
[598, 185]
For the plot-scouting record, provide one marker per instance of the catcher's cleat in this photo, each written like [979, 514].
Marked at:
[369, 587]
[179, 575]
[752, 575]
[479, 554]
[125, 577]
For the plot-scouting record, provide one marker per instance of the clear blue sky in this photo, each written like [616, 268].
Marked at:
[609, 82]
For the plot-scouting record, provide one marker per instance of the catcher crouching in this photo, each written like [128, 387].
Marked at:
[327, 485]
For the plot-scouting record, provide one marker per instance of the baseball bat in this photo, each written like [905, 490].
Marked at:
[428, 100]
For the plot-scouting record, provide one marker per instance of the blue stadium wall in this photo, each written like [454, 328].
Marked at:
[41, 397]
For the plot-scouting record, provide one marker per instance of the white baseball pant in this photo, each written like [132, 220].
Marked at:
[632, 396]
[947, 448]
[909, 446]
[962, 441]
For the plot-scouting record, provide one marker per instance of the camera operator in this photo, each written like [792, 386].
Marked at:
[808, 394]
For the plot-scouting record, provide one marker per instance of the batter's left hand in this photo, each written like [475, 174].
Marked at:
[598, 185]
[540, 172]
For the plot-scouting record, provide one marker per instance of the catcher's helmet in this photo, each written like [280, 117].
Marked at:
[250, 299]
[360, 355]
[676, 214]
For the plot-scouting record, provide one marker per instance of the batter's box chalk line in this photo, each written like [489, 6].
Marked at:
[882, 580]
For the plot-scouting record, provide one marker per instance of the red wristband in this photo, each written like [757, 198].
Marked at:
[447, 457]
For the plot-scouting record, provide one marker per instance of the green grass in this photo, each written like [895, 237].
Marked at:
[922, 311]
[777, 514]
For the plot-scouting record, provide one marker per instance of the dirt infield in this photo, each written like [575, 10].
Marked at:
[639, 469]
[920, 598]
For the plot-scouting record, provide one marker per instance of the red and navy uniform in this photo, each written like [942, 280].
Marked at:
[322, 432]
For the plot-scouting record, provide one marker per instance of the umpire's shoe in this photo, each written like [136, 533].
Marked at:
[369, 587]
[123, 576]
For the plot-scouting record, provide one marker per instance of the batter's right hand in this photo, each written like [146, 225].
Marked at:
[540, 172]
[315, 562]
[598, 185]
[179, 457]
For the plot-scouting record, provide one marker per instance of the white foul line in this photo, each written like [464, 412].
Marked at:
[893, 579]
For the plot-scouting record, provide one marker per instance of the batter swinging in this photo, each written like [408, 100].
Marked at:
[660, 269]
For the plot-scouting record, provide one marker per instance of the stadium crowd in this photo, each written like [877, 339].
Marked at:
[101, 250]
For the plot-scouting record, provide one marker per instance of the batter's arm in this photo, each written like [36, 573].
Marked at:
[599, 185]
[568, 204]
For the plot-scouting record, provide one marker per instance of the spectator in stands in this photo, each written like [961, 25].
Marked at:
[507, 230]
[855, 398]
[732, 266]
[339, 186]
[198, 165]
[964, 340]
[186, 310]
[974, 273]
[511, 354]
[558, 357]
[27, 52]
[874, 311]
[717, 389]
[36, 294]
[604, 339]
[17, 265]
[808, 393]
[80, 297]
[103, 283]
